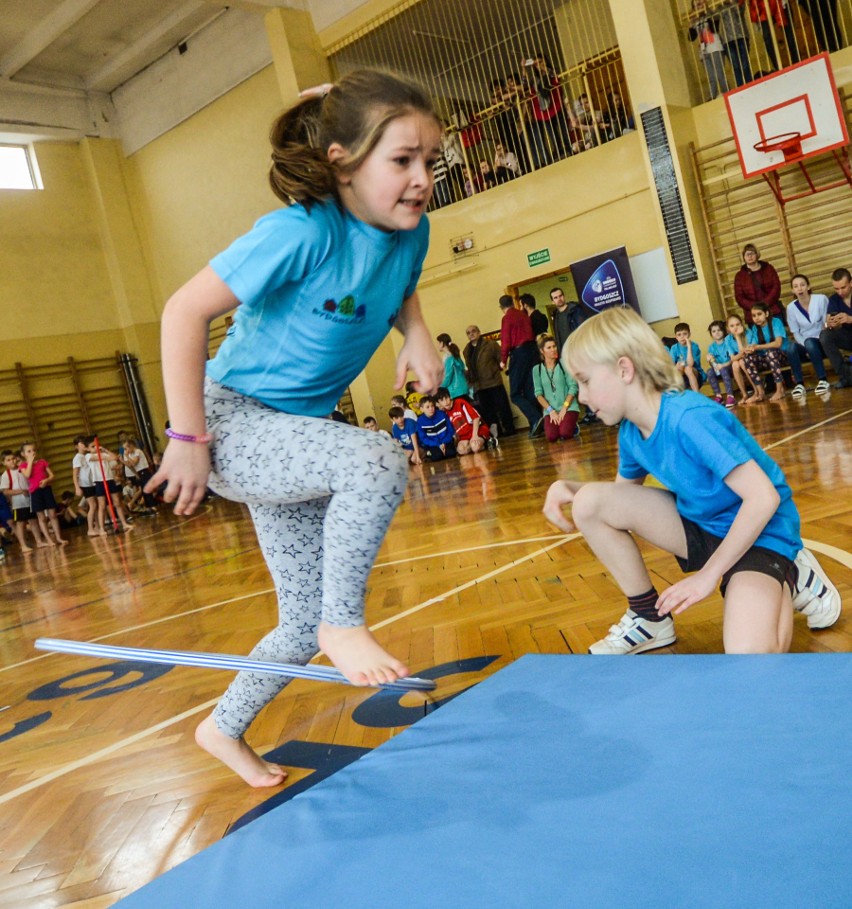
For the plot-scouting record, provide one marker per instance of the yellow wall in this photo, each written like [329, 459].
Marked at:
[54, 284]
[204, 182]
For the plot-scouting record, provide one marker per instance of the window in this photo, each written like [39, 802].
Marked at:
[16, 168]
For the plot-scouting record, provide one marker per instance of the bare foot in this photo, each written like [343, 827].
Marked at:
[94, 533]
[26, 549]
[755, 399]
[127, 527]
[61, 541]
[357, 654]
[778, 396]
[237, 755]
[45, 545]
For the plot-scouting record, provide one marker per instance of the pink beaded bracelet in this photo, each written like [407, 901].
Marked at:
[185, 437]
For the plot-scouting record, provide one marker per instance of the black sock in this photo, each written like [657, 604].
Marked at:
[645, 605]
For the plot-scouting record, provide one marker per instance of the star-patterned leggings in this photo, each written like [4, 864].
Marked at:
[321, 495]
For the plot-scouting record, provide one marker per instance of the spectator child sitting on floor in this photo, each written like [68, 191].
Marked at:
[738, 339]
[404, 430]
[412, 398]
[767, 351]
[435, 432]
[719, 361]
[371, 425]
[471, 433]
[408, 413]
[686, 356]
[66, 511]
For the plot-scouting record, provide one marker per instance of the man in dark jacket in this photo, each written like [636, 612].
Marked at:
[482, 357]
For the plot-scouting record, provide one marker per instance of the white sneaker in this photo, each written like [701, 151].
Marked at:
[822, 387]
[798, 391]
[815, 597]
[635, 635]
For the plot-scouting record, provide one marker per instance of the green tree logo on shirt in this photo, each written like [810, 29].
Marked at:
[346, 307]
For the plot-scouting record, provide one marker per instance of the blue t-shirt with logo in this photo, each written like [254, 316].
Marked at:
[319, 292]
[404, 435]
[694, 446]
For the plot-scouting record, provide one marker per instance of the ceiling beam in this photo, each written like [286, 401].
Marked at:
[123, 65]
[44, 34]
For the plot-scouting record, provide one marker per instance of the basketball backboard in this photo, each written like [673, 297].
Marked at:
[801, 99]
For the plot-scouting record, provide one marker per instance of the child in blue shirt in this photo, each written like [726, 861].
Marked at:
[727, 512]
[335, 269]
[686, 356]
[437, 439]
[719, 361]
[404, 430]
[770, 348]
[738, 339]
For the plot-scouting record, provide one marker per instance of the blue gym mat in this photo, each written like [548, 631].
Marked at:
[562, 781]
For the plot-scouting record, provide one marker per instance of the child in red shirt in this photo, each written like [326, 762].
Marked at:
[472, 434]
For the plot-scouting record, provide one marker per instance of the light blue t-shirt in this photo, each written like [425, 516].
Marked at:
[678, 354]
[731, 341]
[777, 331]
[720, 351]
[694, 446]
[319, 292]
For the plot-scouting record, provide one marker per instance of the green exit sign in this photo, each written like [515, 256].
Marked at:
[538, 258]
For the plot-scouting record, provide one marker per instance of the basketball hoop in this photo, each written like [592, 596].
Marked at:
[788, 143]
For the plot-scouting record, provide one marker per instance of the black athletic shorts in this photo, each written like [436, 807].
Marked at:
[112, 486]
[22, 514]
[88, 492]
[42, 500]
[700, 545]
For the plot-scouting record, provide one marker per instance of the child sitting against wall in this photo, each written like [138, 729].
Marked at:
[686, 356]
[472, 434]
[719, 361]
[404, 430]
[435, 432]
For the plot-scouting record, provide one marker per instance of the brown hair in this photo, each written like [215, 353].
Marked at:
[354, 114]
[447, 341]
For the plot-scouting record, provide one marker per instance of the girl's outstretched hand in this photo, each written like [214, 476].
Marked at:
[558, 497]
[186, 469]
[418, 354]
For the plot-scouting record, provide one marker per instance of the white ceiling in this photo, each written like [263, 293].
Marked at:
[60, 60]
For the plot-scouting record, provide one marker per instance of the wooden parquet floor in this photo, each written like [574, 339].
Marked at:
[101, 785]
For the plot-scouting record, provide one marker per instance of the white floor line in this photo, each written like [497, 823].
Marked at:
[839, 555]
[450, 552]
[269, 590]
[564, 538]
[104, 752]
[167, 618]
[138, 736]
[807, 430]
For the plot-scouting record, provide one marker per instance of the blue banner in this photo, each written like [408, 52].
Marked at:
[605, 280]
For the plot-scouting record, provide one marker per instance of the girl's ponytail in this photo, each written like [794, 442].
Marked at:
[301, 171]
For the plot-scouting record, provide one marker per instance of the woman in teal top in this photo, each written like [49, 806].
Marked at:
[455, 380]
[556, 391]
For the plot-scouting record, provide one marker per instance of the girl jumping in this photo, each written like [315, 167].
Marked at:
[333, 270]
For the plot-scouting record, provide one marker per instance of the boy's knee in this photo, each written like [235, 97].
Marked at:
[589, 501]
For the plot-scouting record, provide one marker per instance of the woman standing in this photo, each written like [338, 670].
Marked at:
[455, 380]
[757, 282]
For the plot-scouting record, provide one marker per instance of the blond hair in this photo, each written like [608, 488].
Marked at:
[620, 332]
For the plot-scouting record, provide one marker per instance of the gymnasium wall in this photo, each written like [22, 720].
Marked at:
[194, 189]
[54, 284]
